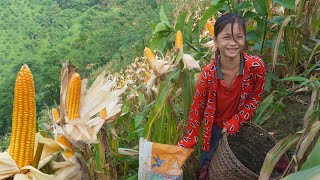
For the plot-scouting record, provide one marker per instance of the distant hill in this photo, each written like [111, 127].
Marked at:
[44, 33]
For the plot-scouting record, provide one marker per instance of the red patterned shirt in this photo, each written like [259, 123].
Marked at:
[205, 97]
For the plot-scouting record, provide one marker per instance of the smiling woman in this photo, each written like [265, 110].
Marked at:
[228, 92]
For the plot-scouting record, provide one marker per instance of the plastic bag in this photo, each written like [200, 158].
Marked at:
[161, 161]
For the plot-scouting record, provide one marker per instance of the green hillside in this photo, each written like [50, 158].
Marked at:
[44, 33]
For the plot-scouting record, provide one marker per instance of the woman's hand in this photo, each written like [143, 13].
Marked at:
[224, 130]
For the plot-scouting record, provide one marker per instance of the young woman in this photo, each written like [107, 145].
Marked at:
[229, 89]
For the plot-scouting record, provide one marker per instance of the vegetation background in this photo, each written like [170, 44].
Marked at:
[45, 33]
[96, 35]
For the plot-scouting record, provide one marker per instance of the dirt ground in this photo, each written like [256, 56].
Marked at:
[290, 120]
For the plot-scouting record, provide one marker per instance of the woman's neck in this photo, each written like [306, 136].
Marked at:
[230, 63]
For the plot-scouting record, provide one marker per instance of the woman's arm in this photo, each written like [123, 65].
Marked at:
[196, 112]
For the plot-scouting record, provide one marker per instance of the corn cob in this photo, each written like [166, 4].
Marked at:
[150, 56]
[210, 28]
[147, 74]
[179, 40]
[73, 97]
[63, 140]
[103, 113]
[55, 114]
[23, 119]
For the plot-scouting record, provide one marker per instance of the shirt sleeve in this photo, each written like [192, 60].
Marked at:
[196, 112]
[251, 103]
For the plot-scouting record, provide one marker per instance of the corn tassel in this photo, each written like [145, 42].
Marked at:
[23, 119]
[179, 40]
[210, 28]
[63, 140]
[103, 113]
[150, 56]
[55, 114]
[73, 97]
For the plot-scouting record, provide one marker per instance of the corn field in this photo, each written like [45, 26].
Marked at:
[94, 130]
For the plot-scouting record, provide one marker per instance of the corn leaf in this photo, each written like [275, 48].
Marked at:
[156, 112]
[286, 3]
[208, 13]
[313, 158]
[275, 154]
[311, 137]
[163, 17]
[260, 6]
[187, 85]
[181, 20]
[295, 78]
[159, 127]
[100, 154]
[312, 173]
[243, 5]
[261, 112]
[161, 26]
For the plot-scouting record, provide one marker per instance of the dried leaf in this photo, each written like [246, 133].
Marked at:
[8, 166]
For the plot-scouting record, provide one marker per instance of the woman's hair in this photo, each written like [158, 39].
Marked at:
[228, 18]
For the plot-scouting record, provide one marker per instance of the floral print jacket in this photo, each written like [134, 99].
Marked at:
[204, 101]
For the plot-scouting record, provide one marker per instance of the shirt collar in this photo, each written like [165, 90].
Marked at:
[219, 72]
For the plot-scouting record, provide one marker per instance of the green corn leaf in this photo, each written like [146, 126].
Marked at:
[243, 5]
[163, 17]
[187, 85]
[161, 26]
[295, 78]
[286, 3]
[313, 158]
[181, 20]
[156, 112]
[260, 6]
[312, 173]
[265, 104]
[275, 154]
[160, 127]
[208, 13]
[308, 141]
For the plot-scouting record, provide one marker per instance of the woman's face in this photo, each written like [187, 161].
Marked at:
[229, 48]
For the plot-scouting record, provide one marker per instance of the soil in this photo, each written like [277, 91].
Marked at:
[290, 119]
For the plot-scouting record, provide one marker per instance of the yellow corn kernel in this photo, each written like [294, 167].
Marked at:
[179, 40]
[63, 140]
[23, 119]
[150, 56]
[210, 28]
[55, 114]
[147, 74]
[73, 97]
[103, 113]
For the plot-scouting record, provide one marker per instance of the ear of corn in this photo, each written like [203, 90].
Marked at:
[23, 119]
[63, 140]
[55, 114]
[210, 28]
[73, 97]
[150, 56]
[179, 40]
[147, 74]
[103, 113]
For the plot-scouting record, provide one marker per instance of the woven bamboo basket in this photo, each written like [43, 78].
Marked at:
[251, 145]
